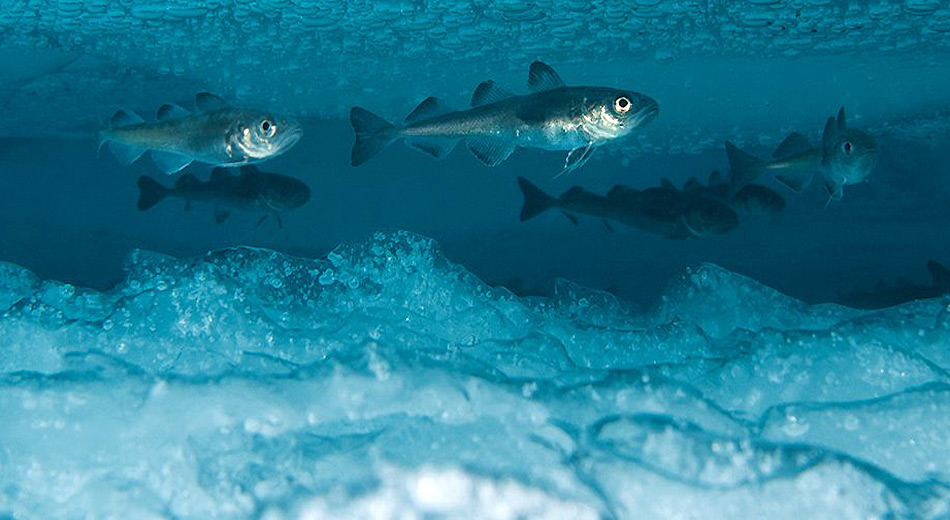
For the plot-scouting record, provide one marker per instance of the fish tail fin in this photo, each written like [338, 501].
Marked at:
[373, 134]
[150, 193]
[535, 200]
[743, 167]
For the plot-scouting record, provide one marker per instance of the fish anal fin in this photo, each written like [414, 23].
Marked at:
[170, 162]
[489, 92]
[794, 143]
[124, 153]
[208, 102]
[542, 77]
[171, 111]
[795, 181]
[572, 218]
[429, 108]
[434, 146]
[220, 215]
[491, 151]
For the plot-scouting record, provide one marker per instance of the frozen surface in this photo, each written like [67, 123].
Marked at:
[384, 381]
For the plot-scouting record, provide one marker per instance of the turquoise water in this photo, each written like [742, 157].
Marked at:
[402, 345]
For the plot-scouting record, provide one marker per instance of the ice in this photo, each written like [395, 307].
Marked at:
[384, 381]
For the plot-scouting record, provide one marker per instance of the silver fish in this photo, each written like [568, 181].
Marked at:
[216, 133]
[846, 156]
[553, 116]
[251, 190]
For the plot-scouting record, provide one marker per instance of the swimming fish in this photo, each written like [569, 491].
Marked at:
[750, 199]
[216, 133]
[251, 190]
[553, 116]
[662, 211]
[846, 156]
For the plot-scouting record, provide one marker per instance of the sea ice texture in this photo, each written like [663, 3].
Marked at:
[384, 381]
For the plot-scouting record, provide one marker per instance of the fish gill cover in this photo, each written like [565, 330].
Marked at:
[382, 380]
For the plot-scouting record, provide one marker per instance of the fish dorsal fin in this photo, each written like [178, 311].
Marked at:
[542, 77]
[248, 170]
[667, 184]
[489, 92]
[842, 124]
[207, 102]
[171, 111]
[220, 174]
[186, 181]
[620, 191]
[692, 184]
[794, 143]
[429, 108]
[124, 118]
[940, 273]
[715, 178]
[574, 191]
[829, 138]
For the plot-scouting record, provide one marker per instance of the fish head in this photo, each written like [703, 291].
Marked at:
[853, 157]
[611, 113]
[284, 193]
[262, 135]
[708, 217]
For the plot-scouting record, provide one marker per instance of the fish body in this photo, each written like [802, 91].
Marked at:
[216, 134]
[846, 156]
[251, 190]
[553, 116]
[661, 211]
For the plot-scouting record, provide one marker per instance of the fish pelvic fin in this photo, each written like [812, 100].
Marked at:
[743, 167]
[150, 193]
[373, 135]
[535, 200]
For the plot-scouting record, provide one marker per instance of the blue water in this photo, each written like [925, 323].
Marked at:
[402, 346]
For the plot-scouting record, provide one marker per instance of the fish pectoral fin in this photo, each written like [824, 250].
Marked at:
[220, 215]
[436, 147]
[171, 111]
[207, 102]
[795, 181]
[542, 77]
[170, 162]
[124, 153]
[489, 92]
[576, 158]
[491, 151]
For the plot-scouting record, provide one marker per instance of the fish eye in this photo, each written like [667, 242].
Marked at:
[267, 128]
[622, 104]
[847, 148]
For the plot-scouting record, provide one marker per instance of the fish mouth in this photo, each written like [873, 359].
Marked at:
[646, 114]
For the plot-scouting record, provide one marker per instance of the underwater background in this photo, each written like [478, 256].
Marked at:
[402, 345]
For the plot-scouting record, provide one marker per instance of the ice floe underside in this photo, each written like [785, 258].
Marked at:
[384, 381]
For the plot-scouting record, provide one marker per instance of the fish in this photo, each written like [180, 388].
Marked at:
[846, 156]
[250, 190]
[888, 295]
[216, 133]
[750, 199]
[663, 211]
[553, 116]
